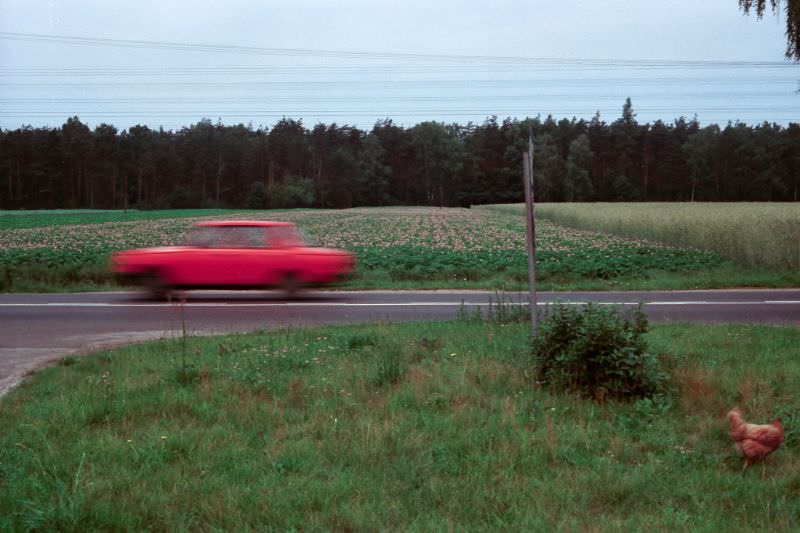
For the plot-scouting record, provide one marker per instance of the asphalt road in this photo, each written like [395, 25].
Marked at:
[38, 328]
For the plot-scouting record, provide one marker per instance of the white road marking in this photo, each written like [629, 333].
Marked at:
[235, 305]
[261, 304]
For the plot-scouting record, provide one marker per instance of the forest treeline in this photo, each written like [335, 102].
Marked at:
[431, 163]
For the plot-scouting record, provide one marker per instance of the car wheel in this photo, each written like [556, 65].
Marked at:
[291, 285]
[157, 287]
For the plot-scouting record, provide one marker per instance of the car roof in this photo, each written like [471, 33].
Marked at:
[249, 223]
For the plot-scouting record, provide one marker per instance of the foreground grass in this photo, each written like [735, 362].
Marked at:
[395, 248]
[414, 427]
[765, 235]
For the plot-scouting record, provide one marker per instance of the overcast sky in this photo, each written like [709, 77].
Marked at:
[413, 62]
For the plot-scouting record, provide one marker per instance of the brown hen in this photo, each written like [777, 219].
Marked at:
[753, 441]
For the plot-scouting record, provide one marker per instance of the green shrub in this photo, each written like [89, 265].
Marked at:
[181, 198]
[294, 192]
[596, 352]
[257, 197]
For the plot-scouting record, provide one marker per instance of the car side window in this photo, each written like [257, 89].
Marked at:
[239, 237]
[201, 238]
[283, 237]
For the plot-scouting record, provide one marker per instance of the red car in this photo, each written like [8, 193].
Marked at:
[234, 255]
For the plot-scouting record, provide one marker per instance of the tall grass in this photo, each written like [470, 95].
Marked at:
[750, 234]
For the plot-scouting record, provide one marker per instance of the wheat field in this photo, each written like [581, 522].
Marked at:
[752, 234]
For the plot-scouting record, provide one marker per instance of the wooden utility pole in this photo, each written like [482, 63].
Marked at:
[530, 223]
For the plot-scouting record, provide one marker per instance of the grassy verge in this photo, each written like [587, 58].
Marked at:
[414, 427]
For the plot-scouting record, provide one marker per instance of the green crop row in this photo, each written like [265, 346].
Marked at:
[411, 263]
[63, 217]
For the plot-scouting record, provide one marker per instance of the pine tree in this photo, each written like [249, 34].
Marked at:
[578, 184]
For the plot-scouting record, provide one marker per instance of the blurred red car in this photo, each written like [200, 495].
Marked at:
[233, 255]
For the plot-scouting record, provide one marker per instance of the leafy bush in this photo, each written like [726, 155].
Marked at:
[597, 352]
[291, 193]
[257, 197]
[181, 198]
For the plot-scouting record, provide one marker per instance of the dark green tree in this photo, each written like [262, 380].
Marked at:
[199, 147]
[578, 183]
[627, 140]
[257, 196]
[701, 151]
[76, 151]
[334, 155]
[291, 192]
[16, 154]
[141, 143]
[791, 156]
[371, 181]
[399, 157]
[289, 151]
[549, 170]
[603, 148]
[770, 159]
[104, 177]
[438, 161]
[485, 169]
[430, 163]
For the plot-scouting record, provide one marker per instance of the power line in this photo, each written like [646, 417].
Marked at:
[406, 98]
[392, 112]
[391, 78]
[326, 70]
[426, 82]
[344, 54]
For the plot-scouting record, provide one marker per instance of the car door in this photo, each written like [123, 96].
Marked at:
[232, 256]
[238, 260]
[280, 257]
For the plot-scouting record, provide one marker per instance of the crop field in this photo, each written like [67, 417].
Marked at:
[394, 247]
[750, 234]
[75, 217]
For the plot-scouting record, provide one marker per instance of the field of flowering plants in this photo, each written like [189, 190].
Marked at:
[400, 246]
